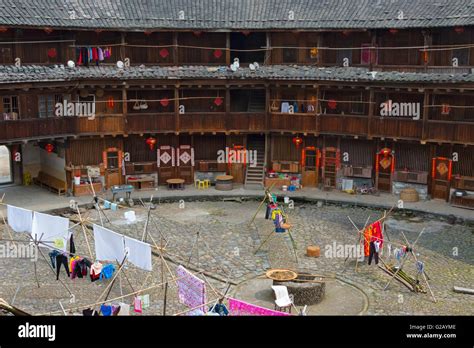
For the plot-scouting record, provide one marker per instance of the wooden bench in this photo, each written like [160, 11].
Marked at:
[51, 183]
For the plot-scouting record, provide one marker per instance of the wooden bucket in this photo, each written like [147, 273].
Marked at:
[313, 251]
[409, 195]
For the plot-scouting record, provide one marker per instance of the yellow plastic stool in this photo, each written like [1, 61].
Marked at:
[196, 182]
[207, 182]
[201, 184]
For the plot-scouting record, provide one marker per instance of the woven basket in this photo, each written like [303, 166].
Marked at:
[409, 195]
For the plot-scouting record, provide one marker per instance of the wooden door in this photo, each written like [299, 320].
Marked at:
[384, 168]
[330, 164]
[185, 163]
[441, 172]
[113, 165]
[310, 166]
[165, 161]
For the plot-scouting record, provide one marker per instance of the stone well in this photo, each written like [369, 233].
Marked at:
[305, 292]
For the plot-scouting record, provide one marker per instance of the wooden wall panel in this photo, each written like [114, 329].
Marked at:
[412, 156]
[361, 152]
[284, 149]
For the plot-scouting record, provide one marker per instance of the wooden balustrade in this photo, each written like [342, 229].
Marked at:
[153, 123]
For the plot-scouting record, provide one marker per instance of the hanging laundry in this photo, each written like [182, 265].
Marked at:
[372, 232]
[108, 244]
[420, 267]
[90, 312]
[124, 309]
[61, 259]
[137, 305]
[295, 107]
[72, 260]
[285, 107]
[191, 289]
[106, 310]
[49, 228]
[139, 253]
[96, 270]
[19, 219]
[145, 301]
[100, 54]
[374, 252]
[237, 307]
[72, 247]
[107, 271]
[52, 256]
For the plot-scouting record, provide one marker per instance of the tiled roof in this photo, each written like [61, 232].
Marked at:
[32, 73]
[235, 14]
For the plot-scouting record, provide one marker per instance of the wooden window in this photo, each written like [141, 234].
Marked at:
[112, 159]
[356, 106]
[11, 107]
[290, 55]
[310, 159]
[47, 104]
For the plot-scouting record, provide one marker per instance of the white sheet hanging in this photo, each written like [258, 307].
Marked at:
[19, 219]
[108, 244]
[139, 253]
[52, 230]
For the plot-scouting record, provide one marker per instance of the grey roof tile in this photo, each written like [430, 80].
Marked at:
[29, 74]
[236, 14]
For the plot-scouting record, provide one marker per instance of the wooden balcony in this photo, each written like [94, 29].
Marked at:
[37, 128]
[296, 122]
[202, 122]
[105, 124]
[341, 124]
[444, 131]
[399, 128]
[246, 122]
[152, 123]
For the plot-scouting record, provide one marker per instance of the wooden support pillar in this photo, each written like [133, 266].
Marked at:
[426, 113]
[227, 108]
[373, 53]
[124, 109]
[319, 60]
[267, 108]
[122, 46]
[371, 113]
[227, 51]
[176, 109]
[427, 41]
[268, 52]
[175, 48]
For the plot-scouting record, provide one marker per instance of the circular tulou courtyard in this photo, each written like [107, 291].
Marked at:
[216, 240]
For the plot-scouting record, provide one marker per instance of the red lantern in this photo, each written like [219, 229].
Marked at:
[217, 53]
[459, 30]
[48, 30]
[49, 147]
[426, 57]
[197, 33]
[3, 29]
[110, 103]
[332, 104]
[164, 102]
[164, 53]
[151, 142]
[246, 32]
[297, 141]
[52, 53]
[393, 31]
[218, 101]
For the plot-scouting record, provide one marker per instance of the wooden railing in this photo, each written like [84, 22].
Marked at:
[202, 122]
[110, 124]
[296, 122]
[246, 121]
[157, 122]
[341, 124]
[402, 128]
[36, 128]
[462, 133]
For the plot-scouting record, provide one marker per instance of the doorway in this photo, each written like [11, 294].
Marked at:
[6, 172]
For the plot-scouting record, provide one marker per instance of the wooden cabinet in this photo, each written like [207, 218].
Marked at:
[286, 167]
[411, 177]
[357, 171]
[86, 190]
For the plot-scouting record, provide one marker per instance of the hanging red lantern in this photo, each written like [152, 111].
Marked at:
[445, 109]
[164, 102]
[218, 101]
[48, 30]
[297, 141]
[151, 142]
[52, 53]
[246, 32]
[393, 31]
[197, 33]
[49, 147]
[459, 30]
[110, 102]
[332, 104]
[426, 56]
[3, 29]
[217, 53]
[164, 53]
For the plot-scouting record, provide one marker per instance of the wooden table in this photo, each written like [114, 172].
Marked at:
[175, 184]
[141, 181]
[224, 182]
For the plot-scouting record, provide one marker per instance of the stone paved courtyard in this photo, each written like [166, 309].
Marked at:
[225, 250]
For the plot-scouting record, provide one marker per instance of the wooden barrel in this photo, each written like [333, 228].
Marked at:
[409, 195]
[224, 185]
[313, 251]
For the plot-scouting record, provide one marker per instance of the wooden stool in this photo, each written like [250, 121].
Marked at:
[313, 251]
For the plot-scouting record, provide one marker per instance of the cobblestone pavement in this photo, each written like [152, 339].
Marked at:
[215, 236]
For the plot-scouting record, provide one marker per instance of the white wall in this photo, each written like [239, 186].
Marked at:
[36, 159]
